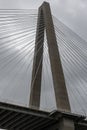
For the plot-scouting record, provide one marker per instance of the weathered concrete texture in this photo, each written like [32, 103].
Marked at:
[37, 64]
[63, 124]
[66, 124]
[61, 95]
[62, 101]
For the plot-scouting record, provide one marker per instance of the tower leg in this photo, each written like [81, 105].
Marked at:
[62, 101]
[37, 64]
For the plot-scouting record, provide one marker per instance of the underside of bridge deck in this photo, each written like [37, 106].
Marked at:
[21, 118]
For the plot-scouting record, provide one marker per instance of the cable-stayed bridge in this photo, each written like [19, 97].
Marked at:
[42, 72]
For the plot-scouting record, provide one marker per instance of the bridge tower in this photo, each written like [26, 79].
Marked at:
[45, 22]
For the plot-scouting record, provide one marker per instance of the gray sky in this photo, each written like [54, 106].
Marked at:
[71, 12]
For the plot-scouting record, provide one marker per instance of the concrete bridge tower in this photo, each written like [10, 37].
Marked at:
[62, 102]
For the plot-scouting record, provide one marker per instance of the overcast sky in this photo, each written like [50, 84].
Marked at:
[71, 12]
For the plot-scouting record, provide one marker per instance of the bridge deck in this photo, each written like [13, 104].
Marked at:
[21, 118]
